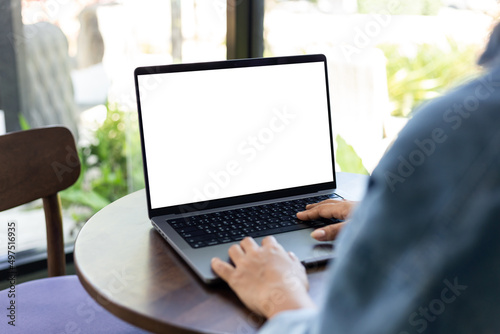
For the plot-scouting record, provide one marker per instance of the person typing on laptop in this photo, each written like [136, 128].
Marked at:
[272, 261]
[420, 253]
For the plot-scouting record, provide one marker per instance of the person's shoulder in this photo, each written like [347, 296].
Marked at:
[478, 99]
[446, 134]
[472, 95]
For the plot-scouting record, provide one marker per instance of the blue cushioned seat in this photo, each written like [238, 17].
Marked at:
[58, 305]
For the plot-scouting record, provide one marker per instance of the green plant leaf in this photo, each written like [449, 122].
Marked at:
[86, 198]
[347, 158]
[417, 74]
[23, 122]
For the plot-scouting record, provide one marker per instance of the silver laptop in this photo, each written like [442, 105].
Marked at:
[236, 148]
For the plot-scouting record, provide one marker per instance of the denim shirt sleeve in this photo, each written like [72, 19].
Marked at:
[421, 254]
[291, 322]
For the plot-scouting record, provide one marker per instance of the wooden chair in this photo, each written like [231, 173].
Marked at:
[37, 164]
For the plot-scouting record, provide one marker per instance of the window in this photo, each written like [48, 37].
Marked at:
[96, 44]
[385, 57]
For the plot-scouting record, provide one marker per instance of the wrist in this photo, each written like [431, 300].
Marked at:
[290, 303]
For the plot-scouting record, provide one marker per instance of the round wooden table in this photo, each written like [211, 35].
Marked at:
[131, 271]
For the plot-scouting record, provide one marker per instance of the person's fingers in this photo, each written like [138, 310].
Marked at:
[318, 211]
[310, 206]
[293, 256]
[319, 234]
[235, 252]
[309, 214]
[327, 233]
[269, 240]
[248, 244]
[222, 268]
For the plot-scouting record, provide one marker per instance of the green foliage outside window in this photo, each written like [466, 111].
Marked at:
[111, 166]
[420, 72]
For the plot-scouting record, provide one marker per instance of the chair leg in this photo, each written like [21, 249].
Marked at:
[56, 259]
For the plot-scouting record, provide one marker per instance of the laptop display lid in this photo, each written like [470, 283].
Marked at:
[225, 133]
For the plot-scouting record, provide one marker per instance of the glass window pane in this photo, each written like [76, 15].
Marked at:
[385, 57]
[100, 42]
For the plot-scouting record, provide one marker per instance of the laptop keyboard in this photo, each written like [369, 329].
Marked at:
[257, 221]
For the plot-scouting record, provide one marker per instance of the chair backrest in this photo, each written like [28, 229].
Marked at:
[37, 164]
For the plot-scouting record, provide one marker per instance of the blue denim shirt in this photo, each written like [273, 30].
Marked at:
[422, 251]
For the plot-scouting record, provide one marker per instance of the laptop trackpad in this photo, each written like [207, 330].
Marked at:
[308, 250]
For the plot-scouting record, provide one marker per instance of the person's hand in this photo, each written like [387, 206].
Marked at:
[330, 208]
[267, 279]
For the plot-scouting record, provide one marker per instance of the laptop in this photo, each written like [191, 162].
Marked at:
[235, 148]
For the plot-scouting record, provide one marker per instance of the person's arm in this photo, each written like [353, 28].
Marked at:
[339, 209]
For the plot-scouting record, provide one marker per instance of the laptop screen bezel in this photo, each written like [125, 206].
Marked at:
[190, 208]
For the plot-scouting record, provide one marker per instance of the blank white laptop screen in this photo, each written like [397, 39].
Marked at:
[212, 134]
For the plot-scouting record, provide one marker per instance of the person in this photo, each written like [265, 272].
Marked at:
[420, 252]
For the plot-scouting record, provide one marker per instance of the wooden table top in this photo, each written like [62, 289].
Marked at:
[132, 271]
